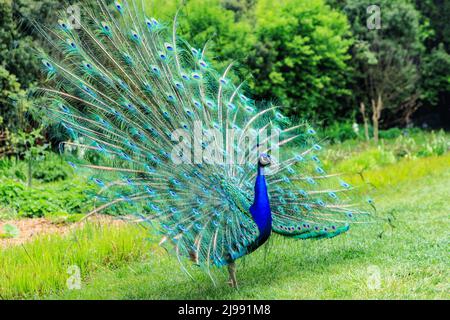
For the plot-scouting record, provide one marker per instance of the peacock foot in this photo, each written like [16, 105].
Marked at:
[232, 271]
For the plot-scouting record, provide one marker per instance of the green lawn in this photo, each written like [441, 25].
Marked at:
[408, 260]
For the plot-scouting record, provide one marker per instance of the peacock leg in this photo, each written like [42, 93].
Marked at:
[232, 272]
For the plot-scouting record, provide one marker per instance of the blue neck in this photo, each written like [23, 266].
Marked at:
[260, 209]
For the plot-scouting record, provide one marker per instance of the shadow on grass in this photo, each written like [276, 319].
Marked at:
[255, 276]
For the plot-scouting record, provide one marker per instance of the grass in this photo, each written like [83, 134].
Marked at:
[407, 251]
[392, 175]
[409, 256]
[41, 267]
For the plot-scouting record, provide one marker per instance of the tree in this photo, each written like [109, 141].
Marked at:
[292, 51]
[436, 62]
[241, 8]
[301, 57]
[11, 96]
[387, 60]
[210, 23]
[19, 67]
[19, 71]
[437, 15]
[436, 74]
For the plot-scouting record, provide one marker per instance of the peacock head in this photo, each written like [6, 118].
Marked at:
[264, 160]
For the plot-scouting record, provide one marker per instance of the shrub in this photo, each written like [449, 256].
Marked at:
[41, 201]
[390, 133]
[413, 144]
[51, 168]
[339, 132]
[54, 168]
[10, 168]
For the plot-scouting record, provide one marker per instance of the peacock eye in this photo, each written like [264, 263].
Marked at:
[168, 46]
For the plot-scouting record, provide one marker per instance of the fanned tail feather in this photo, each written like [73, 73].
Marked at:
[127, 89]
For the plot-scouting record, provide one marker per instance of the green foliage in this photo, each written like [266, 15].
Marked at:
[435, 80]
[385, 59]
[44, 200]
[54, 168]
[295, 52]
[301, 57]
[19, 66]
[13, 169]
[18, 42]
[434, 144]
[209, 24]
[353, 156]
[26, 145]
[369, 159]
[437, 14]
[339, 132]
[435, 75]
[7, 214]
[10, 95]
[390, 133]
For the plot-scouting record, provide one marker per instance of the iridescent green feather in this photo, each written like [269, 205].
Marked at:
[126, 83]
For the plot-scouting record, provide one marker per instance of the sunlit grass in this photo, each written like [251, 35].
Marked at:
[404, 259]
[407, 253]
[395, 173]
[41, 267]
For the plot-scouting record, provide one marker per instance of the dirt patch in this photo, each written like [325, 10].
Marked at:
[29, 228]
[32, 228]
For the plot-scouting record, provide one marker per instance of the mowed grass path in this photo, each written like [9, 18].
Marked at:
[407, 259]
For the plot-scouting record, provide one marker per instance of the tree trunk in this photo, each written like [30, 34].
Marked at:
[377, 107]
[366, 125]
[30, 173]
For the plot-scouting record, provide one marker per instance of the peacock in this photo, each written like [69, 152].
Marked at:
[166, 137]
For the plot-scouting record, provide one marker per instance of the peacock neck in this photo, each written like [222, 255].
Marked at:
[260, 209]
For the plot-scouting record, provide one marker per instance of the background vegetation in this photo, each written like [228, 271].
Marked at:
[316, 58]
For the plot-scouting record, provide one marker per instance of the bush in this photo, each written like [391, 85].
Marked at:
[296, 50]
[10, 191]
[438, 144]
[9, 168]
[54, 168]
[415, 144]
[44, 200]
[390, 133]
[339, 132]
